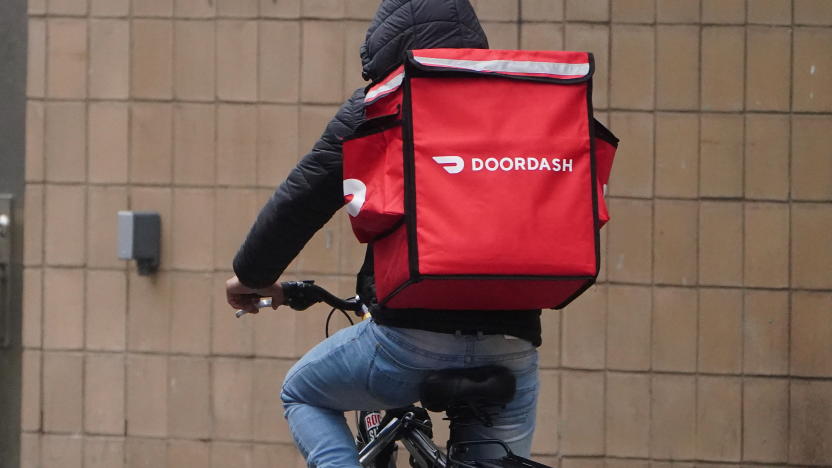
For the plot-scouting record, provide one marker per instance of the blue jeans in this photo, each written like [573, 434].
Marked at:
[369, 366]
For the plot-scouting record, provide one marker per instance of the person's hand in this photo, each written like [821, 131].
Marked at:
[242, 297]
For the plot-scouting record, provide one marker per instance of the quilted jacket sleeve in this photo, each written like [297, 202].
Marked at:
[301, 205]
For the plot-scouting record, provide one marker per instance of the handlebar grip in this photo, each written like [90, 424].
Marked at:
[300, 295]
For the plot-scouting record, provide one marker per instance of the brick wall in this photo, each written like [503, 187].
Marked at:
[707, 342]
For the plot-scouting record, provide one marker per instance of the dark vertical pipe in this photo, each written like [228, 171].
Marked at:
[13, 38]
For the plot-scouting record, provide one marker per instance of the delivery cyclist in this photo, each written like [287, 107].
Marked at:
[378, 364]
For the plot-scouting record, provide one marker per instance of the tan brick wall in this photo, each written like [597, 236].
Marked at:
[707, 339]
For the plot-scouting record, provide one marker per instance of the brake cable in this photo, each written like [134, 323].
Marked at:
[329, 317]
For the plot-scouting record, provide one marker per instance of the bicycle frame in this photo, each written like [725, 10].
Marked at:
[425, 453]
[420, 446]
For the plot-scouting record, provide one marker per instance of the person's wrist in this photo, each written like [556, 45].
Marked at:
[272, 289]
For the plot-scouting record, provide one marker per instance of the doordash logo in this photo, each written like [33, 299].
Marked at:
[355, 193]
[456, 164]
[452, 164]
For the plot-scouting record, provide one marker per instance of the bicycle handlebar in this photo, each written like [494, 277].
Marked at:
[300, 295]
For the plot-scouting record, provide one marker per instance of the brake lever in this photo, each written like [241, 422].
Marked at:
[262, 304]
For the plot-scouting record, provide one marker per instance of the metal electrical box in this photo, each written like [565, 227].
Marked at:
[139, 235]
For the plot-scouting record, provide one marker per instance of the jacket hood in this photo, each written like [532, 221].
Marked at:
[400, 25]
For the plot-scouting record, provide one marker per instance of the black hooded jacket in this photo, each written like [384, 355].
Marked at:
[313, 192]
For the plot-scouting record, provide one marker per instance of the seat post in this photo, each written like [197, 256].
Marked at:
[467, 413]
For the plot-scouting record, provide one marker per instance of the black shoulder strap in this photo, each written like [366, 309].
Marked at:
[365, 285]
[604, 133]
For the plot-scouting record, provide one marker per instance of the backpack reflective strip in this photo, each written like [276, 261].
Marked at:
[554, 69]
[384, 88]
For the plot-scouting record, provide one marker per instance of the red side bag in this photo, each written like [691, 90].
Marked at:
[478, 178]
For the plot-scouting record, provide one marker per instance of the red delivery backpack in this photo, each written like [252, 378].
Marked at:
[478, 179]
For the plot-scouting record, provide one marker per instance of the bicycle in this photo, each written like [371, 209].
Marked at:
[465, 395]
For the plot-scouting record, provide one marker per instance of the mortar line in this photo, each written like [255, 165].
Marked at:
[744, 238]
[85, 222]
[44, 197]
[790, 272]
[697, 374]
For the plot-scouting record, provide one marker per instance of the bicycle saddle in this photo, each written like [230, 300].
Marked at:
[479, 386]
